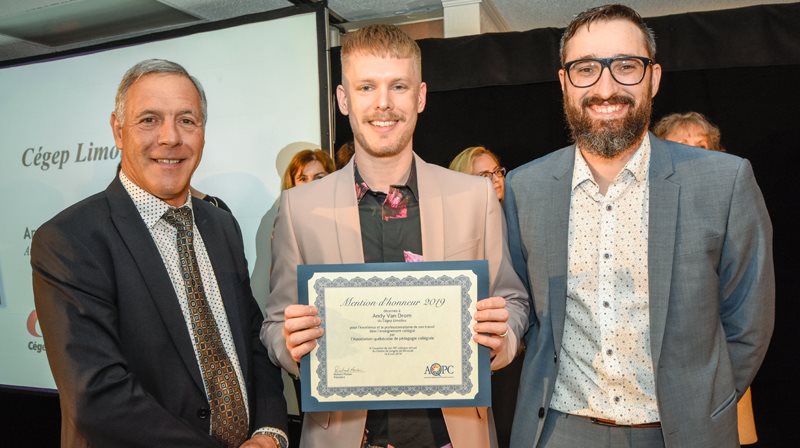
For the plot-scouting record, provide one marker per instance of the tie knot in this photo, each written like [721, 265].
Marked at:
[180, 218]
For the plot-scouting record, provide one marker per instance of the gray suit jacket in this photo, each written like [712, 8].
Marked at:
[711, 284]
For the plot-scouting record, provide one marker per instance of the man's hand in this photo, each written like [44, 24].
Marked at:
[492, 329]
[260, 441]
[301, 328]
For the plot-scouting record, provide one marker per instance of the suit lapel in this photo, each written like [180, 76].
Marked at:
[348, 224]
[556, 225]
[431, 212]
[660, 241]
[143, 249]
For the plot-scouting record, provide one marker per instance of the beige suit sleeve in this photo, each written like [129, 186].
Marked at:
[503, 280]
[283, 286]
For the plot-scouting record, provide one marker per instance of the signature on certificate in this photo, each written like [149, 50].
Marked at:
[343, 372]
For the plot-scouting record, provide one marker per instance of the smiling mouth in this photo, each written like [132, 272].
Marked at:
[383, 123]
[169, 161]
[608, 108]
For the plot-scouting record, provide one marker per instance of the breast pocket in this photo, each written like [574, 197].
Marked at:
[698, 246]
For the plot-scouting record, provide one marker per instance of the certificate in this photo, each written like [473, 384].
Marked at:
[397, 335]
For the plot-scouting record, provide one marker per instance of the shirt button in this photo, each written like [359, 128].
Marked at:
[606, 304]
[606, 256]
[616, 399]
[608, 207]
[203, 413]
[609, 352]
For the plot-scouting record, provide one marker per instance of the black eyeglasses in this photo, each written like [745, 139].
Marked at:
[626, 70]
[500, 172]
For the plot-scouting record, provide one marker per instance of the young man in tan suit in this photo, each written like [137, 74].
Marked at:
[388, 205]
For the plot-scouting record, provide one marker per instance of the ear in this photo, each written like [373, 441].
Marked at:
[341, 100]
[655, 79]
[562, 78]
[116, 129]
[422, 97]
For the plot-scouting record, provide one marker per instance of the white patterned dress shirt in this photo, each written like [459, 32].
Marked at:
[152, 210]
[606, 368]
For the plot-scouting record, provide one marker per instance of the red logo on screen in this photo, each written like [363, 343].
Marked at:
[33, 323]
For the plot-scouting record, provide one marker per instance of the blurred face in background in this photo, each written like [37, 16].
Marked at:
[310, 172]
[689, 134]
[486, 166]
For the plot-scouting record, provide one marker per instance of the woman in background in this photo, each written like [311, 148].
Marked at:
[306, 166]
[694, 129]
[691, 128]
[479, 161]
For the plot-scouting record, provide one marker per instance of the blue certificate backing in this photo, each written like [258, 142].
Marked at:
[483, 397]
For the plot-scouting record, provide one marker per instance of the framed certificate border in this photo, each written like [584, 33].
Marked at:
[355, 396]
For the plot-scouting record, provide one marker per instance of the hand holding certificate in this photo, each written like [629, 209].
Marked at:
[397, 335]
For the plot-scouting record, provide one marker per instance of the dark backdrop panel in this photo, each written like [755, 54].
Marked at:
[753, 101]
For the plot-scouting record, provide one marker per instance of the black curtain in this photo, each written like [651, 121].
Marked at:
[739, 67]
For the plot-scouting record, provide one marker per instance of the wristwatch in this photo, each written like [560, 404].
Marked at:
[280, 439]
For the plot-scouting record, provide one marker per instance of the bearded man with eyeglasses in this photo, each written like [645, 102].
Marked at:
[649, 263]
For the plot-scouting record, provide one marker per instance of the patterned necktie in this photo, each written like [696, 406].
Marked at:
[228, 414]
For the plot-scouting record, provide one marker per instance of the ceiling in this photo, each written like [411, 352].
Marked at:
[37, 27]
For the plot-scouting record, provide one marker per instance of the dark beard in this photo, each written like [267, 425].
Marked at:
[607, 139]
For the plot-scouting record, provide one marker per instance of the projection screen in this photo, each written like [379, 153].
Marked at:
[263, 81]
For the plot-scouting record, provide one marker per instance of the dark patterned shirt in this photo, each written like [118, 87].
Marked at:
[390, 232]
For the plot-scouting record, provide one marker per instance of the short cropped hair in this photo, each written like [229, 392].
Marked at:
[383, 41]
[463, 161]
[604, 14]
[148, 67]
[673, 121]
[303, 158]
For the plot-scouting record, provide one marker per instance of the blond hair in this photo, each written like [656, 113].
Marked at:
[673, 121]
[463, 161]
[383, 41]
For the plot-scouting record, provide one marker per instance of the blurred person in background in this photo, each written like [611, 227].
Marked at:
[344, 154]
[690, 128]
[479, 161]
[306, 166]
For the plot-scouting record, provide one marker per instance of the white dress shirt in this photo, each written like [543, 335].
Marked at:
[152, 210]
[606, 368]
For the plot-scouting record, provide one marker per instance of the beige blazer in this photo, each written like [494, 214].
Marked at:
[460, 219]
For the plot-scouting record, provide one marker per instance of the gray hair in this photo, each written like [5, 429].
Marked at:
[147, 67]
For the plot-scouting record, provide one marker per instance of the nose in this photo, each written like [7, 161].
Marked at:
[606, 86]
[168, 133]
[384, 99]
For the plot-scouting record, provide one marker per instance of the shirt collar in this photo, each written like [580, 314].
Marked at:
[637, 166]
[150, 208]
[362, 188]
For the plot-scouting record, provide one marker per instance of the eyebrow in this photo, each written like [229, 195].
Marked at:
[160, 113]
[594, 56]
